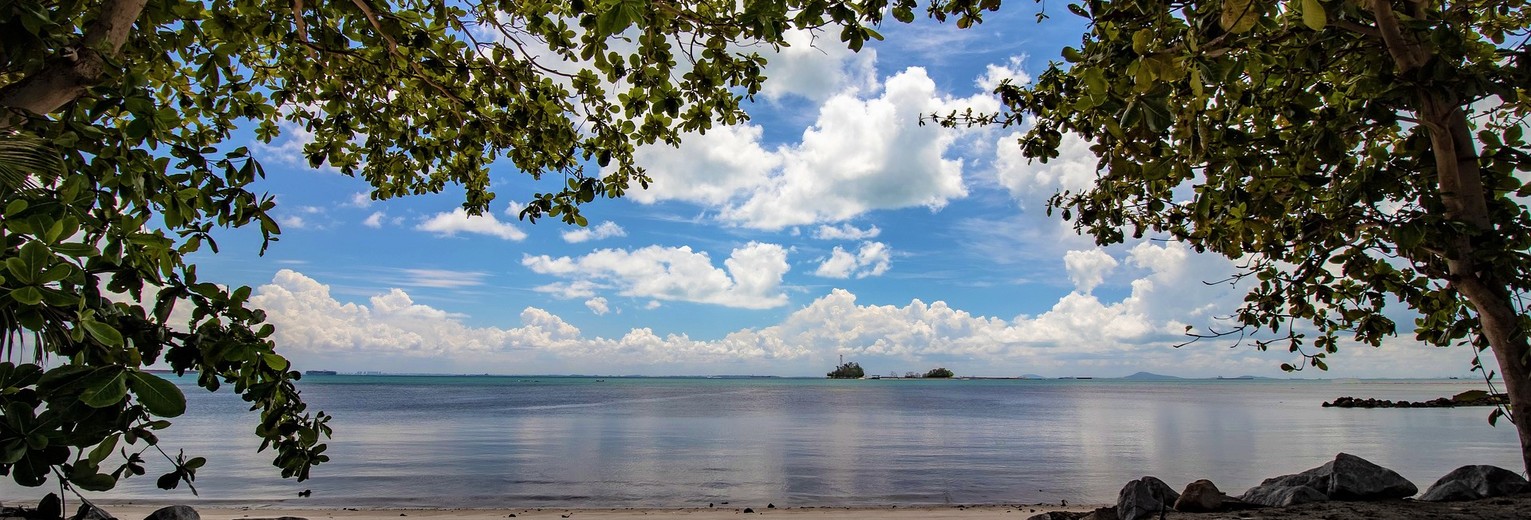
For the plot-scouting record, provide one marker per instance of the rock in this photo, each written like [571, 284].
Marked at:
[1104, 513]
[89, 511]
[50, 507]
[1053, 515]
[1475, 482]
[1267, 494]
[1347, 477]
[1201, 496]
[174, 513]
[1144, 498]
[749, 510]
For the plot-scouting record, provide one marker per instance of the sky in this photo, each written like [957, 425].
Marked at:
[831, 224]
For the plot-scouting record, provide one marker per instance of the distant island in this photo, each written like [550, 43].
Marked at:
[320, 373]
[851, 370]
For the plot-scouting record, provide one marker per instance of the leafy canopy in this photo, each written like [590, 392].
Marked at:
[117, 163]
[1286, 136]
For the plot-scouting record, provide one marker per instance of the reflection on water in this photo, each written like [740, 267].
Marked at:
[486, 442]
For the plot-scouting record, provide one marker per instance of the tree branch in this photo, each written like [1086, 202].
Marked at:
[66, 77]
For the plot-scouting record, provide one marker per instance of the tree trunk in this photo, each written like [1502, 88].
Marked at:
[1460, 183]
[1465, 200]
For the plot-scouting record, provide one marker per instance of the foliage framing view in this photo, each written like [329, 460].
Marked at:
[115, 165]
[1348, 154]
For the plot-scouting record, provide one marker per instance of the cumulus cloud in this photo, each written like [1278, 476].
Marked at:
[815, 71]
[360, 199]
[995, 74]
[602, 231]
[375, 220]
[1088, 268]
[863, 153]
[1078, 334]
[751, 276]
[871, 260]
[598, 306]
[1029, 180]
[845, 232]
[459, 221]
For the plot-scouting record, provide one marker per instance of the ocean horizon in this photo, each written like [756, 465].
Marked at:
[486, 441]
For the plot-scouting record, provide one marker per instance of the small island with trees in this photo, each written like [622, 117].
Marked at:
[850, 370]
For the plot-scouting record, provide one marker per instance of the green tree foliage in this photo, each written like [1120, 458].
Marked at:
[939, 373]
[849, 370]
[1347, 154]
[117, 163]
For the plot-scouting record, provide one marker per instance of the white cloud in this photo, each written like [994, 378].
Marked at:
[292, 222]
[751, 277]
[864, 153]
[361, 199]
[375, 220]
[995, 74]
[845, 232]
[1029, 180]
[602, 231]
[442, 278]
[598, 306]
[872, 260]
[1078, 335]
[513, 209]
[818, 69]
[458, 221]
[1088, 268]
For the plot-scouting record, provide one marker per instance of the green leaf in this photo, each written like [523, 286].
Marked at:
[276, 362]
[104, 333]
[160, 397]
[27, 295]
[1313, 15]
[106, 386]
[1239, 16]
[104, 450]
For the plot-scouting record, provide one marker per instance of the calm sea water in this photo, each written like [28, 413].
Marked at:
[618, 442]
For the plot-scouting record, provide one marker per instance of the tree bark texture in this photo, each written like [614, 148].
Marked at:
[80, 67]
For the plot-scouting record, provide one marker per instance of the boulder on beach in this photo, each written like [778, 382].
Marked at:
[1475, 482]
[1145, 498]
[1200, 497]
[1347, 477]
[176, 512]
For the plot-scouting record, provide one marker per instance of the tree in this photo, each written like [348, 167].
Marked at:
[137, 102]
[850, 370]
[1347, 154]
[939, 373]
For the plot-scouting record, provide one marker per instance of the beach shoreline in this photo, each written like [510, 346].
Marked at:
[1505, 508]
[133, 510]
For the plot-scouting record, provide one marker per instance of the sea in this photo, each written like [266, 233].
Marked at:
[618, 442]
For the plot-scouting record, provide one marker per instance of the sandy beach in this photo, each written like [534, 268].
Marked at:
[137, 511]
[1505, 508]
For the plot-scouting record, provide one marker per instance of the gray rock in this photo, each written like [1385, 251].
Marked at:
[1144, 498]
[89, 511]
[174, 513]
[1347, 477]
[1201, 496]
[1280, 496]
[1475, 482]
[1053, 515]
[1104, 513]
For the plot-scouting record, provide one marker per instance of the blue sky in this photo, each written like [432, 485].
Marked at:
[831, 224]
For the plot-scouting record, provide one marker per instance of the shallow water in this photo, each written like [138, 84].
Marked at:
[423, 441]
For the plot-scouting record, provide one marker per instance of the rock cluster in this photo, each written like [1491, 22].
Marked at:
[1347, 478]
[1468, 398]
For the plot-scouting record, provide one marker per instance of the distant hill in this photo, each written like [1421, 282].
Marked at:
[1150, 376]
[1032, 376]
